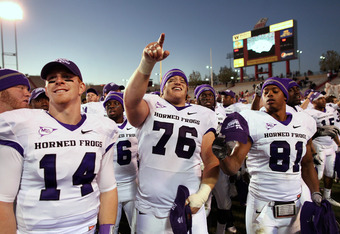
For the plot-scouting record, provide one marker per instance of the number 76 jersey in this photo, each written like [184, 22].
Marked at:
[274, 159]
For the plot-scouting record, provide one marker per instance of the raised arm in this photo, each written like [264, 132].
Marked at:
[135, 107]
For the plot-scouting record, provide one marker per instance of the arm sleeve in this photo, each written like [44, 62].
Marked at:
[10, 173]
[235, 128]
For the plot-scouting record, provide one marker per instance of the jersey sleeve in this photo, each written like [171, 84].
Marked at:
[10, 173]
[7, 135]
[106, 176]
[235, 128]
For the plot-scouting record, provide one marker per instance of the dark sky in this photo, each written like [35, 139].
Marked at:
[105, 38]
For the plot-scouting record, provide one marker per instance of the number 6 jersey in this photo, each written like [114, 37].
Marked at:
[64, 169]
[169, 151]
[276, 152]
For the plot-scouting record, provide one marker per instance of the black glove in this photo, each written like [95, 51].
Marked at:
[328, 130]
[222, 149]
[317, 160]
[258, 89]
[317, 198]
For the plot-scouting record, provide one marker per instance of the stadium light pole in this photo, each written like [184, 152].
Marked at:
[299, 54]
[10, 11]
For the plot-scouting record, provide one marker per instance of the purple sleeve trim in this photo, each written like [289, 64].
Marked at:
[109, 147]
[235, 128]
[211, 130]
[14, 145]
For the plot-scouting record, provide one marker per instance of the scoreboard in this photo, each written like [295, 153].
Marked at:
[274, 43]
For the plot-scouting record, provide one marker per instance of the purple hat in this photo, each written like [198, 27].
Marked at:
[112, 87]
[282, 83]
[10, 78]
[92, 90]
[112, 95]
[64, 62]
[228, 92]
[307, 92]
[180, 214]
[291, 84]
[171, 73]
[36, 93]
[315, 96]
[204, 87]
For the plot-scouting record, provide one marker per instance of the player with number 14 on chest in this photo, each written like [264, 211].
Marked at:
[174, 138]
[62, 160]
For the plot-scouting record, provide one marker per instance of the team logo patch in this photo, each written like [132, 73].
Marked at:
[234, 124]
[46, 131]
[159, 105]
[270, 125]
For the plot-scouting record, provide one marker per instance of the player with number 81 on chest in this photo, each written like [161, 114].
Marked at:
[278, 145]
[174, 138]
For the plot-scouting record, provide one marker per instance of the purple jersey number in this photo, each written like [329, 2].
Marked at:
[280, 153]
[185, 147]
[82, 176]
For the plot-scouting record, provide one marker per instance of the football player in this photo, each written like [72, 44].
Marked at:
[325, 117]
[125, 158]
[38, 99]
[206, 96]
[14, 90]
[174, 137]
[57, 164]
[278, 145]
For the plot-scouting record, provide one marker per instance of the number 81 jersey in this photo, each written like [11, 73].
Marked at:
[275, 156]
[65, 167]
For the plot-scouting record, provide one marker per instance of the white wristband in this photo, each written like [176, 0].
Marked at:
[145, 67]
[198, 199]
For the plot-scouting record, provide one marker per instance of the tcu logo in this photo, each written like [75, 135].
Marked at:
[46, 131]
[62, 60]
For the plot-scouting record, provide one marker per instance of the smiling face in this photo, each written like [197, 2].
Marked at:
[175, 91]
[273, 98]
[63, 87]
[15, 97]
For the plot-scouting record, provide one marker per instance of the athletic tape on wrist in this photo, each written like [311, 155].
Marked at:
[145, 67]
[199, 198]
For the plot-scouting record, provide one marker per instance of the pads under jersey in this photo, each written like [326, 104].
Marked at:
[125, 154]
[65, 167]
[323, 118]
[169, 151]
[274, 159]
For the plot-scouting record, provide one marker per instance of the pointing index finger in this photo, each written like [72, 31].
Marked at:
[161, 39]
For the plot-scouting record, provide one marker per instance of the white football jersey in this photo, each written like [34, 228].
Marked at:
[93, 108]
[125, 161]
[276, 152]
[323, 118]
[65, 167]
[169, 150]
